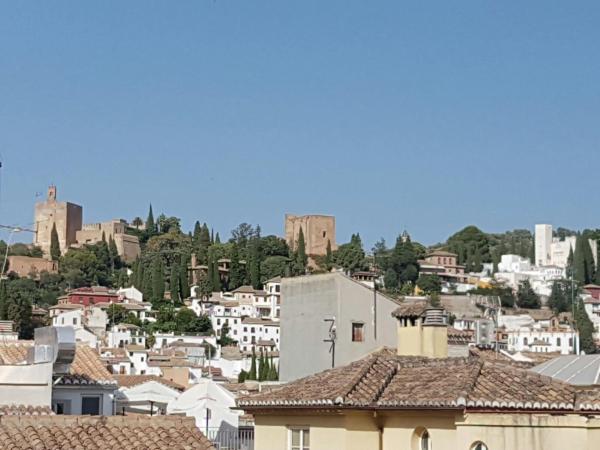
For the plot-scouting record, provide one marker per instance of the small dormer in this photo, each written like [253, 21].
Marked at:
[422, 330]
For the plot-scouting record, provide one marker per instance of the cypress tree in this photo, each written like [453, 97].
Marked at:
[301, 258]
[196, 235]
[212, 236]
[203, 244]
[174, 283]
[113, 252]
[328, 256]
[3, 301]
[597, 276]
[590, 264]
[54, 244]
[252, 373]
[579, 260]
[236, 277]
[146, 286]
[150, 224]
[184, 287]
[217, 238]
[262, 368]
[216, 281]
[158, 280]
[273, 376]
[103, 237]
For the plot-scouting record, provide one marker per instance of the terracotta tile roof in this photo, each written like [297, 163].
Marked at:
[130, 381]
[101, 433]
[136, 348]
[244, 290]
[411, 309]
[25, 410]
[87, 367]
[384, 381]
[459, 337]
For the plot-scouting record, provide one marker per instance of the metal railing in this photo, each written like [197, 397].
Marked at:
[231, 439]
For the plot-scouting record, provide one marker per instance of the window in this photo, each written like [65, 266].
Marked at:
[558, 342]
[299, 439]
[324, 234]
[357, 332]
[61, 407]
[479, 446]
[90, 405]
[425, 441]
[524, 341]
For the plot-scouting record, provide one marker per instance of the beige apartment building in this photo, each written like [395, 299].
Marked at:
[406, 400]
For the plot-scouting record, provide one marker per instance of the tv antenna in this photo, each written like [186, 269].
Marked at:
[332, 339]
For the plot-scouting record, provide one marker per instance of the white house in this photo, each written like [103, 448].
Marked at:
[138, 355]
[167, 339]
[210, 404]
[145, 394]
[259, 333]
[563, 341]
[125, 334]
[131, 295]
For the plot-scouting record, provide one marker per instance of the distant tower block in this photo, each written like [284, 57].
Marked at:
[543, 243]
[317, 230]
[67, 217]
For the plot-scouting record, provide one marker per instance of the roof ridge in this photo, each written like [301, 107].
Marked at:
[357, 378]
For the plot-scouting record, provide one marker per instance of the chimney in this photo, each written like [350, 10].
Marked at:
[55, 345]
[422, 330]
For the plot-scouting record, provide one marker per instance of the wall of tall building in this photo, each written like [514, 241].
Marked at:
[318, 230]
[543, 241]
[307, 301]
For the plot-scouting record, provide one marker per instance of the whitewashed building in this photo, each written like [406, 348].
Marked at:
[259, 333]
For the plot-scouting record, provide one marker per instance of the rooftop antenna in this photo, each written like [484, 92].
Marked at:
[332, 339]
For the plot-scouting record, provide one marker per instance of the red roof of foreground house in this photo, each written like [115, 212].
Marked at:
[387, 381]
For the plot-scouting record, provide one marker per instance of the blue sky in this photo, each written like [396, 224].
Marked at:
[391, 115]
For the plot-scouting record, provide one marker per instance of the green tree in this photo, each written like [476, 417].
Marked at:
[390, 279]
[328, 257]
[350, 256]
[585, 327]
[242, 376]
[581, 261]
[273, 266]
[236, 274]
[54, 244]
[253, 262]
[273, 375]
[150, 225]
[113, 254]
[3, 301]
[225, 340]
[263, 368]
[203, 245]
[429, 284]
[559, 297]
[187, 321]
[526, 296]
[301, 259]
[116, 314]
[158, 280]
[253, 375]
[184, 283]
[174, 284]
[403, 260]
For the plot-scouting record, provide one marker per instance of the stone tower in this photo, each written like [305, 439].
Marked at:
[66, 216]
[317, 230]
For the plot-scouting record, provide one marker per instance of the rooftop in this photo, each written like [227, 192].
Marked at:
[103, 433]
[579, 370]
[384, 380]
[87, 367]
[130, 381]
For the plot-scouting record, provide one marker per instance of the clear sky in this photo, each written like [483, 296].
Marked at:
[391, 115]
